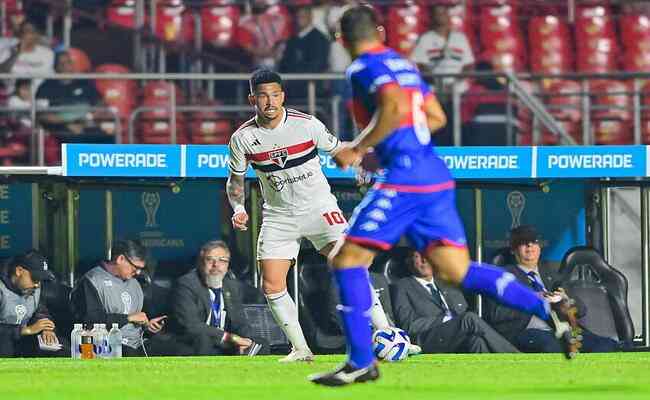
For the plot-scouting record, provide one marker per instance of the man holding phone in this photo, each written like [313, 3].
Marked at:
[109, 293]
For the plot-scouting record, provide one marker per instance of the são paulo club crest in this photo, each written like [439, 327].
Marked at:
[279, 157]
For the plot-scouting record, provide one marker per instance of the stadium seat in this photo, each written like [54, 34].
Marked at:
[501, 38]
[219, 25]
[405, 23]
[119, 95]
[596, 45]
[586, 275]
[174, 22]
[635, 36]
[155, 125]
[610, 112]
[122, 13]
[503, 257]
[80, 61]
[550, 47]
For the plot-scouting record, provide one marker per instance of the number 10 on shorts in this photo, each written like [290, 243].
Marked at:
[334, 218]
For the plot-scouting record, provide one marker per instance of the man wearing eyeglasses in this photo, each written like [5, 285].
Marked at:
[206, 306]
[109, 293]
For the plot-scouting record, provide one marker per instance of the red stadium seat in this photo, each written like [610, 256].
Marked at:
[635, 35]
[219, 25]
[119, 95]
[611, 113]
[550, 47]
[501, 38]
[159, 93]
[405, 24]
[596, 45]
[174, 22]
[80, 61]
[122, 13]
[155, 125]
[160, 132]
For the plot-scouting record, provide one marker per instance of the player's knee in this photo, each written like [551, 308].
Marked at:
[351, 255]
[273, 286]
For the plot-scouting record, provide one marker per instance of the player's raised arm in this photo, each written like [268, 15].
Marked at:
[235, 185]
[436, 117]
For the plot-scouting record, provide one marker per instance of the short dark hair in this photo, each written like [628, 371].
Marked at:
[132, 249]
[262, 76]
[211, 245]
[523, 234]
[359, 23]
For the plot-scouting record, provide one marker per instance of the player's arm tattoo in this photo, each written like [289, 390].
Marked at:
[235, 191]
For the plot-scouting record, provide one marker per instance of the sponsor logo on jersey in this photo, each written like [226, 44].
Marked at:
[277, 183]
[279, 157]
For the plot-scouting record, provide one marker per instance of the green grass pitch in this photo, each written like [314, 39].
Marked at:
[522, 376]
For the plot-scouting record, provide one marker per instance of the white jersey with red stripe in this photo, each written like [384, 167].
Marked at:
[285, 160]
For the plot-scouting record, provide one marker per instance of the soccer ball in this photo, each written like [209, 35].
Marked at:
[390, 344]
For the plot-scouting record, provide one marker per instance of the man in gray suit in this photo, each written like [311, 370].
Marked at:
[435, 315]
[207, 306]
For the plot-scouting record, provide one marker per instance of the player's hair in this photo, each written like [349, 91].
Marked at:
[359, 23]
[132, 249]
[262, 76]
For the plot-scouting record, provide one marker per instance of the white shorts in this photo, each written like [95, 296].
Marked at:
[281, 232]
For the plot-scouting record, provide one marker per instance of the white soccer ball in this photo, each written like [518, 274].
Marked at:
[391, 344]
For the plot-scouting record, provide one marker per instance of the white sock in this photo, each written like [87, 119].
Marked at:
[378, 316]
[286, 315]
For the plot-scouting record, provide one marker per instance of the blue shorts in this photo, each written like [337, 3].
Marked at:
[426, 218]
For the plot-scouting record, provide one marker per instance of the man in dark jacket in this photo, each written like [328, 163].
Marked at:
[24, 318]
[109, 293]
[529, 333]
[207, 306]
[435, 315]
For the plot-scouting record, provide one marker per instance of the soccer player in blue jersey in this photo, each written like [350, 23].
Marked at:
[414, 197]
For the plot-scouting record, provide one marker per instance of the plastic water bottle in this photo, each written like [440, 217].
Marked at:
[103, 341]
[115, 342]
[75, 341]
[97, 344]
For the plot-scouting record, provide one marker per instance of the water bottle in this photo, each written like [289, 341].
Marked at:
[115, 342]
[97, 344]
[103, 341]
[75, 341]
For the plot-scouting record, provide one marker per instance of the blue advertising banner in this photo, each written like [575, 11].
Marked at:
[15, 219]
[591, 161]
[125, 160]
[488, 162]
[464, 162]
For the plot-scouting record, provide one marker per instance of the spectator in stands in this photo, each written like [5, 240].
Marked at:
[207, 306]
[435, 315]
[21, 102]
[443, 50]
[306, 52]
[262, 34]
[530, 334]
[24, 318]
[28, 55]
[484, 111]
[109, 293]
[76, 122]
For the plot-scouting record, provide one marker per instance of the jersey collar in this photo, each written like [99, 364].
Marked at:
[284, 121]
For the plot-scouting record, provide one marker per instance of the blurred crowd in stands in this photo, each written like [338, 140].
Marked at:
[490, 37]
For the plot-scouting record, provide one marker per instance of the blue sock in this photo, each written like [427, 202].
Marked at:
[356, 301]
[502, 286]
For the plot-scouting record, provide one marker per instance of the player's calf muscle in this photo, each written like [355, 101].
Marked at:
[449, 263]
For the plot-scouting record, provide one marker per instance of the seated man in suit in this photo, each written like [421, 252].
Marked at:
[435, 315]
[206, 306]
[529, 333]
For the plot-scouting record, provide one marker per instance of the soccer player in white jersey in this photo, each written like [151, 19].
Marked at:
[282, 146]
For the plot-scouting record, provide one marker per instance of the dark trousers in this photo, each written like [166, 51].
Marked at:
[466, 333]
[204, 345]
[27, 346]
[539, 341]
